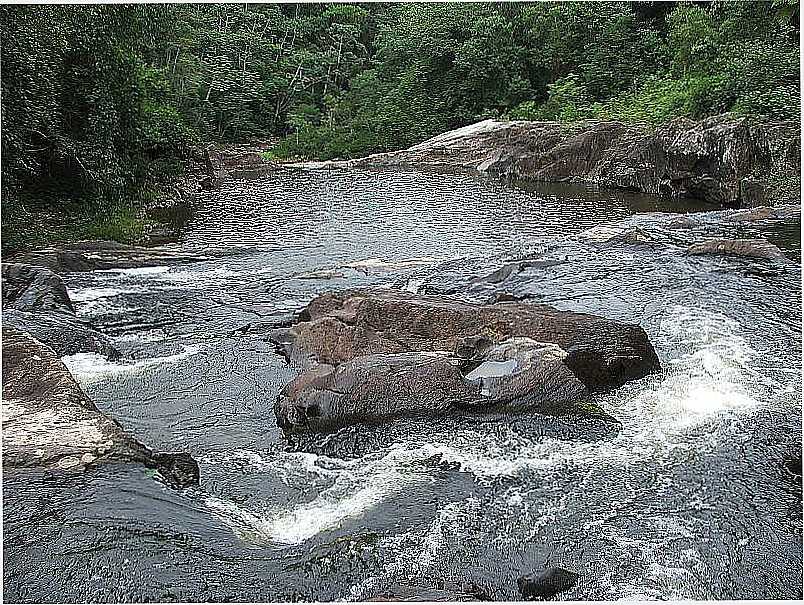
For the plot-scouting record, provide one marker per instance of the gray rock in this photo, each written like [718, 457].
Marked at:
[720, 159]
[747, 248]
[95, 255]
[65, 333]
[519, 374]
[35, 301]
[48, 421]
[29, 288]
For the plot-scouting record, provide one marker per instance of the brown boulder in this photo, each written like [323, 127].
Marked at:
[747, 248]
[340, 326]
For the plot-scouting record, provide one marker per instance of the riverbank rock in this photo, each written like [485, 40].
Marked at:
[747, 248]
[547, 583]
[49, 422]
[95, 255]
[377, 353]
[722, 159]
[35, 300]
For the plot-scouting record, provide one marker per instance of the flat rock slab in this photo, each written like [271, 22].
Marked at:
[49, 421]
[340, 326]
[97, 255]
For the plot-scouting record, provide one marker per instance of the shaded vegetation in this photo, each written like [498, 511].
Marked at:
[100, 101]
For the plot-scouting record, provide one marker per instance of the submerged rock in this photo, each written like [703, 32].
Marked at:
[368, 354]
[95, 255]
[720, 159]
[35, 301]
[48, 421]
[748, 248]
[547, 583]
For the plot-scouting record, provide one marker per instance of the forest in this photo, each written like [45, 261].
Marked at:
[101, 104]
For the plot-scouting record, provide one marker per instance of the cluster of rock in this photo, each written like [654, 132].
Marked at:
[48, 421]
[369, 354]
[722, 160]
[35, 301]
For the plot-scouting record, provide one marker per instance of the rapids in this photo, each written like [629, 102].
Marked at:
[689, 499]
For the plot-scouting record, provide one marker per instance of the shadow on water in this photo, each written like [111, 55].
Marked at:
[687, 498]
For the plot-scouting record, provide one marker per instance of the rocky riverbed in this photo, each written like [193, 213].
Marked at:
[617, 409]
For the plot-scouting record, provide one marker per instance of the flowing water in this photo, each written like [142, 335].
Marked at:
[689, 498]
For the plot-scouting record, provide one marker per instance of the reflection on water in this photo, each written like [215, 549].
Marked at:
[688, 499]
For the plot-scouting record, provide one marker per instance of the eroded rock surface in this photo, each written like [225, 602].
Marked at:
[721, 159]
[95, 255]
[747, 248]
[378, 353]
[339, 326]
[49, 421]
[36, 301]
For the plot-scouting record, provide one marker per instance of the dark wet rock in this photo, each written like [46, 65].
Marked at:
[399, 593]
[340, 326]
[48, 421]
[747, 248]
[793, 464]
[374, 387]
[35, 300]
[95, 255]
[720, 159]
[65, 333]
[509, 269]
[518, 373]
[29, 288]
[547, 583]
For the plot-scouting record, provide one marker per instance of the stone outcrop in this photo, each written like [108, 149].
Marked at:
[377, 353]
[746, 248]
[95, 255]
[48, 421]
[722, 160]
[36, 301]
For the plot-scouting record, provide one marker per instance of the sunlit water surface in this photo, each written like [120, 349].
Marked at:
[689, 499]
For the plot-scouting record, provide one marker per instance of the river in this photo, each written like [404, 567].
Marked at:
[689, 499]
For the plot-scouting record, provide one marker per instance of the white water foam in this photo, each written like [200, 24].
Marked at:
[88, 368]
[357, 486]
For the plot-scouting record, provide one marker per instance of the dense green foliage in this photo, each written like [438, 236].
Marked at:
[99, 100]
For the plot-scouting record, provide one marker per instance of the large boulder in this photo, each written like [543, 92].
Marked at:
[340, 326]
[518, 373]
[35, 300]
[29, 288]
[722, 160]
[370, 354]
[95, 255]
[48, 421]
